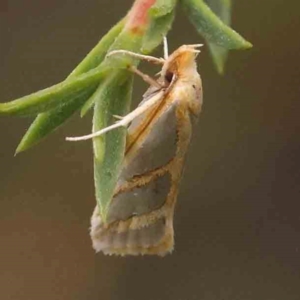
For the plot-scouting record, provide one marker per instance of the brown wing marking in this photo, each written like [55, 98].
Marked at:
[151, 232]
[152, 146]
[148, 194]
[141, 131]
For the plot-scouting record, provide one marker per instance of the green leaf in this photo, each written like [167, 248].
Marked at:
[55, 95]
[159, 27]
[47, 122]
[114, 99]
[219, 56]
[97, 54]
[211, 27]
[90, 102]
[222, 8]
[52, 97]
[162, 7]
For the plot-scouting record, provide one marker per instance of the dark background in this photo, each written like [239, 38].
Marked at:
[237, 219]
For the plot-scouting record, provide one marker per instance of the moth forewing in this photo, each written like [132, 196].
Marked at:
[140, 216]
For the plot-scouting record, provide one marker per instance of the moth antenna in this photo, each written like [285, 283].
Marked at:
[166, 50]
[155, 60]
[126, 120]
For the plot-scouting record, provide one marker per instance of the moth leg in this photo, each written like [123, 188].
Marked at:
[125, 121]
[155, 60]
[145, 77]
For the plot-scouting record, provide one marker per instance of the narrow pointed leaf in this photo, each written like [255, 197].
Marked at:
[115, 98]
[47, 122]
[222, 8]
[219, 56]
[211, 27]
[53, 96]
[97, 54]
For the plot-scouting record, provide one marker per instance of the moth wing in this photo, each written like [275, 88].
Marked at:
[140, 217]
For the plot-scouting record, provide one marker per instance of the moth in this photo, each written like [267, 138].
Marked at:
[140, 216]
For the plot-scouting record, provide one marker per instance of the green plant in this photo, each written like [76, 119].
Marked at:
[105, 84]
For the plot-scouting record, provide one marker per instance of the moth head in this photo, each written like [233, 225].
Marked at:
[180, 63]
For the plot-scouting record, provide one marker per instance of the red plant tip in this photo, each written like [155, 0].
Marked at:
[138, 18]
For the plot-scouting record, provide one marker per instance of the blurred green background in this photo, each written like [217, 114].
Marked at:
[237, 220]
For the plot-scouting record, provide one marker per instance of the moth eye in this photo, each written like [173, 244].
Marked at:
[169, 76]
